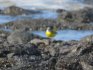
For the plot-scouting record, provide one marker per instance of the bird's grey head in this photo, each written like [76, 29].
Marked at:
[50, 28]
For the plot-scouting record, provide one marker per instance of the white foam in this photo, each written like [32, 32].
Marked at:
[47, 4]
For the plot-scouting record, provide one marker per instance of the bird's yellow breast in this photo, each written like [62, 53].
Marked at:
[50, 34]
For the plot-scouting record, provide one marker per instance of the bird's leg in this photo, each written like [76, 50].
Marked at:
[51, 40]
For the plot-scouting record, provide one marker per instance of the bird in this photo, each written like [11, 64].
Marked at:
[51, 31]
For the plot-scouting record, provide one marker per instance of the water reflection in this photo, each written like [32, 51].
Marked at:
[67, 34]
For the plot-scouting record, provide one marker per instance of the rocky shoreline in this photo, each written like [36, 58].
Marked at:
[21, 50]
[39, 53]
[14, 11]
[77, 20]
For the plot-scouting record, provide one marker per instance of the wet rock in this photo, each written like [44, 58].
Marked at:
[48, 65]
[38, 41]
[13, 10]
[19, 37]
[2, 35]
[87, 39]
[33, 23]
[10, 55]
[1, 40]
[86, 66]
[84, 15]
[77, 56]
[53, 51]
[46, 56]
[72, 55]
[43, 23]
[4, 51]
[5, 64]
[66, 64]
[35, 58]
[27, 49]
[64, 51]
[38, 54]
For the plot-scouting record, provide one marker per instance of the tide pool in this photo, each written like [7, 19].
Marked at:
[62, 35]
[45, 14]
[6, 19]
[7, 30]
[67, 35]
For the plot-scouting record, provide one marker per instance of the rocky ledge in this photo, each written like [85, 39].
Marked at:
[41, 24]
[82, 16]
[37, 53]
[14, 11]
[78, 20]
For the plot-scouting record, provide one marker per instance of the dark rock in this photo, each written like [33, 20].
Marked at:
[53, 51]
[4, 53]
[27, 50]
[86, 66]
[10, 55]
[19, 37]
[73, 57]
[13, 10]
[84, 15]
[75, 66]
[33, 24]
[60, 10]
[87, 39]
[34, 58]
[90, 2]
[44, 23]
[38, 41]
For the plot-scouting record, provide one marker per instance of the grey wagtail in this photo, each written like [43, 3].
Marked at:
[51, 32]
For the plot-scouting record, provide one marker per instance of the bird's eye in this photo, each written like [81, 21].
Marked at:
[51, 27]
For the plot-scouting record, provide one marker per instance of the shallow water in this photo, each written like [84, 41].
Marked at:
[6, 19]
[43, 15]
[7, 30]
[67, 35]
[62, 35]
